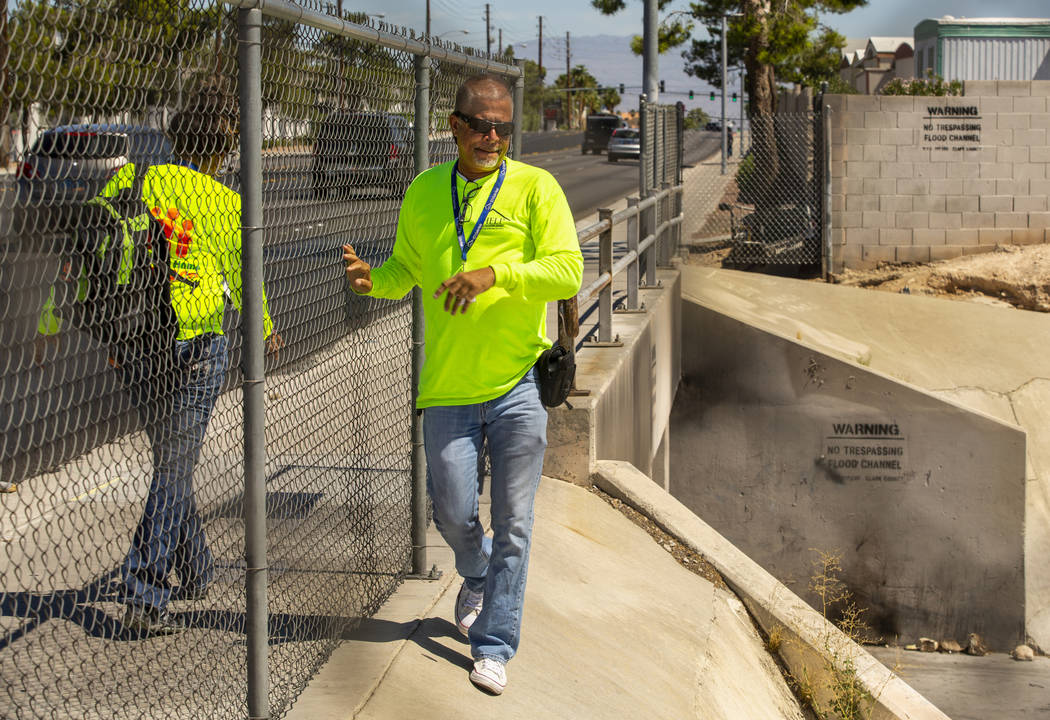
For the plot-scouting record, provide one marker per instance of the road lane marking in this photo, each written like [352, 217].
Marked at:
[94, 489]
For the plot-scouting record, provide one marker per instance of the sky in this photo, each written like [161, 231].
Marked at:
[519, 18]
[602, 43]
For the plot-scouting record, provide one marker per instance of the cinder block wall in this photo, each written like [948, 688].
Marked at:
[913, 182]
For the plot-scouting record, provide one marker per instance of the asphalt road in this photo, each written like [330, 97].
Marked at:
[591, 181]
[307, 293]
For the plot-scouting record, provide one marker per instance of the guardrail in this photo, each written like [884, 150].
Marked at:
[653, 224]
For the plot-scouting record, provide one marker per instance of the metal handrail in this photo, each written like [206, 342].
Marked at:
[593, 232]
[645, 233]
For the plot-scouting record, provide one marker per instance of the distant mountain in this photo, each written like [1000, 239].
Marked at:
[610, 60]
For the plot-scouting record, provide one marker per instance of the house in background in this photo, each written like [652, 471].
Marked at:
[983, 48]
[881, 60]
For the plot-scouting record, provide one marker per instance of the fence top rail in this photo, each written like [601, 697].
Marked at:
[288, 10]
[592, 231]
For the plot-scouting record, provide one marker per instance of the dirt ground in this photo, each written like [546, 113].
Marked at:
[1009, 276]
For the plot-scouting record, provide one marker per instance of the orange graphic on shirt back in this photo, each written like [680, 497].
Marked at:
[181, 228]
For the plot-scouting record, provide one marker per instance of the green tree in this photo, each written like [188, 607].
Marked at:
[772, 38]
[589, 98]
[532, 112]
[95, 59]
[775, 41]
[672, 31]
[348, 74]
[695, 119]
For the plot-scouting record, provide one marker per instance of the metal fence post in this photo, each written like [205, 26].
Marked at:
[648, 227]
[633, 224]
[646, 153]
[828, 259]
[256, 620]
[519, 113]
[663, 243]
[419, 461]
[605, 263]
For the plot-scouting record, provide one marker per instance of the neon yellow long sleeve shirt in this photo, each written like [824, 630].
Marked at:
[201, 219]
[530, 241]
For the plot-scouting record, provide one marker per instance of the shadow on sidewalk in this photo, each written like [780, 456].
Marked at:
[425, 633]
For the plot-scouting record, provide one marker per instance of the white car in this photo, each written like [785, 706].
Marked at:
[624, 143]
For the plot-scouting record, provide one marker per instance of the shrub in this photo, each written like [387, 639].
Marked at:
[930, 85]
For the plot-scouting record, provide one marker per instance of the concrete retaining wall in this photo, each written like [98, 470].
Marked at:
[630, 388]
[916, 179]
[784, 450]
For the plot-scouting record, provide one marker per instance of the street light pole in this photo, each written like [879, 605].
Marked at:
[650, 55]
[724, 88]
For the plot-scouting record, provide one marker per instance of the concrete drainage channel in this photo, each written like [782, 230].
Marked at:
[812, 648]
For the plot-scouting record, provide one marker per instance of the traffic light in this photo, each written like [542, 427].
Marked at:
[712, 94]
[734, 97]
[690, 94]
[621, 88]
[661, 86]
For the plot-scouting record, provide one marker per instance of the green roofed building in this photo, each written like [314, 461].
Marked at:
[983, 48]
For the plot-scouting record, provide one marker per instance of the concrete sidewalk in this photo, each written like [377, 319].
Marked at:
[614, 628]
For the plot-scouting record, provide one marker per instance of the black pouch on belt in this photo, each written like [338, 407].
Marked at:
[555, 372]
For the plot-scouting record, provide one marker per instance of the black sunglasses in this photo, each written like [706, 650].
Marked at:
[484, 127]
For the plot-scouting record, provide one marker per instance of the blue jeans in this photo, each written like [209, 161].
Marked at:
[515, 426]
[170, 536]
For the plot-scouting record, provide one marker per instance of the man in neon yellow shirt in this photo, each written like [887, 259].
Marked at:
[490, 241]
[200, 219]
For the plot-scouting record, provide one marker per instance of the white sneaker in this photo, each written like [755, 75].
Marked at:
[468, 607]
[489, 675]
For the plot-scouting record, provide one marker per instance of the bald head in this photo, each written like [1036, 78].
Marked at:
[489, 88]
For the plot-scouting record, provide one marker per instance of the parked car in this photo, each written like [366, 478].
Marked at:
[600, 127]
[714, 125]
[70, 164]
[625, 143]
[356, 150]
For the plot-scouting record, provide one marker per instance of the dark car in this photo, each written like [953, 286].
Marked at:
[714, 125]
[599, 129]
[625, 143]
[70, 164]
[358, 150]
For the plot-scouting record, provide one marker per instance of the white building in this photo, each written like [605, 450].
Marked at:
[983, 48]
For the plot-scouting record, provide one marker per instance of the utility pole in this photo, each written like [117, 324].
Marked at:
[428, 18]
[650, 56]
[541, 50]
[499, 46]
[568, 84]
[488, 31]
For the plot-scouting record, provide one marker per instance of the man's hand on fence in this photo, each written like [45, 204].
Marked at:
[462, 288]
[274, 343]
[358, 272]
[45, 348]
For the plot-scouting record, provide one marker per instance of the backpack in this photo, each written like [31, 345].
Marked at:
[118, 248]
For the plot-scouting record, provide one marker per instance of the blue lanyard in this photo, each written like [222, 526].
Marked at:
[465, 244]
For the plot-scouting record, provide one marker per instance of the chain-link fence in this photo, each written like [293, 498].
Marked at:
[767, 209]
[127, 472]
[660, 164]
